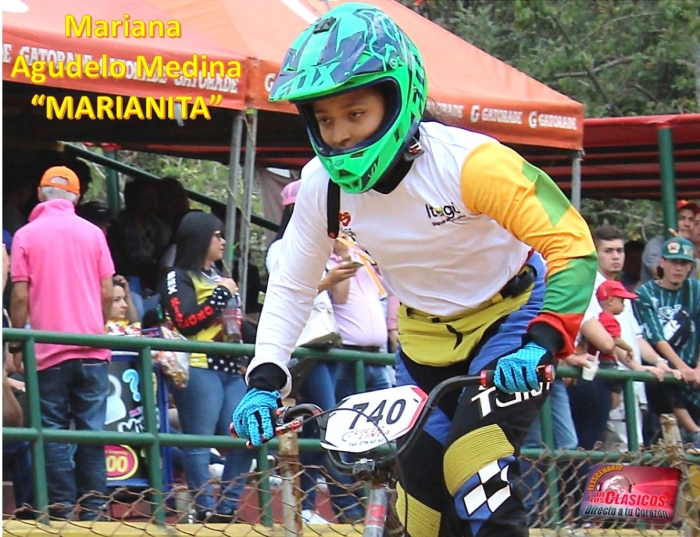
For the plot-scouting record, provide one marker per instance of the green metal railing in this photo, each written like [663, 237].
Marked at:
[153, 440]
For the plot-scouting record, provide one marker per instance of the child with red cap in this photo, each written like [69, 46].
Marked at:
[611, 296]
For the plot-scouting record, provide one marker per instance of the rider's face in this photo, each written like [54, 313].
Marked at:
[347, 120]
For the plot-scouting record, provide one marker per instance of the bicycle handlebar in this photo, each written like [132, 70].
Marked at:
[545, 373]
[287, 418]
[292, 418]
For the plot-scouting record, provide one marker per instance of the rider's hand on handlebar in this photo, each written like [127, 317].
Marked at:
[517, 372]
[254, 416]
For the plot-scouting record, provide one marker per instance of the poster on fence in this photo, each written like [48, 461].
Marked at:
[125, 414]
[627, 492]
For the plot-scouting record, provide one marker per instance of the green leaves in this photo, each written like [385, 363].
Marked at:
[617, 57]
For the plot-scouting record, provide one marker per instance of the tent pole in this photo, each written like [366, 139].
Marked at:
[668, 178]
[576, 179]
[251, 116]
[234, 171]
[112, 176]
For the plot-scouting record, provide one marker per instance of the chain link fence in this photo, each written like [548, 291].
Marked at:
[552, 485]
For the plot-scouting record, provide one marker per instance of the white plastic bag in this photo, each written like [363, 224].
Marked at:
[321, 328]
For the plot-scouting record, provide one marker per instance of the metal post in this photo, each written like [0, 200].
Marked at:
[155, 472]
[248, 180]
[576, 179]
[264, 492]
[112, 177]
[668, 178]
[41, 495]
[360, 378]
[289, 470]
[552, 473]
[630, 400]
[234, 171]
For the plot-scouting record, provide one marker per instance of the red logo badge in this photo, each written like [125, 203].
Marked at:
[344, 218]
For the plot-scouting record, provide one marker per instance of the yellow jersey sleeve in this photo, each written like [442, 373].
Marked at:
[499, 183]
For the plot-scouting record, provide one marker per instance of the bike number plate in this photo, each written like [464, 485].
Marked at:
[366, 420]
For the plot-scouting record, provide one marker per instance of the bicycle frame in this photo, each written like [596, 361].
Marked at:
[378, 471]
[375, 470]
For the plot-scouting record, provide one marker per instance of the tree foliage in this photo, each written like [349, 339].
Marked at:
[617, 57]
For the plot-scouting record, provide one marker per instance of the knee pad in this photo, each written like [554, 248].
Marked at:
[472, 452]
[423, 521]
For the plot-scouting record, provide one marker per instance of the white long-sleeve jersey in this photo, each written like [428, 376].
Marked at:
[457, 227]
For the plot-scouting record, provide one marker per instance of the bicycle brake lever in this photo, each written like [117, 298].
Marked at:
[287, 418]
[294, 425]
[291, 418]
[545, 373]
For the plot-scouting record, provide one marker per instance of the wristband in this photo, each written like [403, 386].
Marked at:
[14, 349]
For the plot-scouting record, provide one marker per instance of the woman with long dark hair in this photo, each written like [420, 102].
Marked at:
[194, 295]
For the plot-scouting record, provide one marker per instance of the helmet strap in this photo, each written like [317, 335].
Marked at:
[333, 210]
[414, 150]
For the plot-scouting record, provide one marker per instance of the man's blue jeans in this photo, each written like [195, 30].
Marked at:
[205, 407]
[75, 390]
[319, 389]
[564, 433]
[376, 378]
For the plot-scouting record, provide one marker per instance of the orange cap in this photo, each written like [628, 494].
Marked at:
[61, 177]
[687, 204]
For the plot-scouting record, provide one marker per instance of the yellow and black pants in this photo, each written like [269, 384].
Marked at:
[458, 479]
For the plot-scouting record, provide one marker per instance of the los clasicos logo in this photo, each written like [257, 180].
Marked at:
[623, 492]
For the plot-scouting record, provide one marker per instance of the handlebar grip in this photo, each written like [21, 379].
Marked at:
[545, 373]
[288, 418]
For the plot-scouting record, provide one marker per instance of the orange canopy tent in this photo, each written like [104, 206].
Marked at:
[36, 30]
[469, 87]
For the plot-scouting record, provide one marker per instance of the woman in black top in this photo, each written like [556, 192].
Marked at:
[194, 295]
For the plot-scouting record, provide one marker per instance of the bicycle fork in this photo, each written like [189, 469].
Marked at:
[377, 510]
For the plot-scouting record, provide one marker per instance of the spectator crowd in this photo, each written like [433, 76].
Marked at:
[68, 266]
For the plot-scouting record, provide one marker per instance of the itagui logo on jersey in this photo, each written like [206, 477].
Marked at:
[442, 215]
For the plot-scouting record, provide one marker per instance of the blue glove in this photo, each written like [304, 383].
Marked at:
[517, 372]
[253, 417]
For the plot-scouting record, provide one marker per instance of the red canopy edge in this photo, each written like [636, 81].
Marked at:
[468, 87]
[621, 157]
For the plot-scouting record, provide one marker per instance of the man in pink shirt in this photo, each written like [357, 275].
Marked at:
[62, 277]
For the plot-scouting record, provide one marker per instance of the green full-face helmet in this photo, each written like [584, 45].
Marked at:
[351, 47]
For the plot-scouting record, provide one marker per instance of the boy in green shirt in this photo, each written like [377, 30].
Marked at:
[668, 310]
